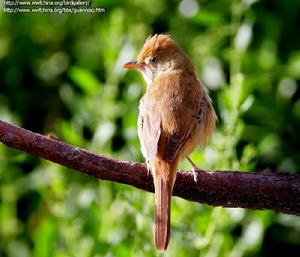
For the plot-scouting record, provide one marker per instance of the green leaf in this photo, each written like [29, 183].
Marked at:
[209, 18]
[84, 79]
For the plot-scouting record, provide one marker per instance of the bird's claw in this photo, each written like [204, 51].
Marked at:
[148, 168]
[194, 169]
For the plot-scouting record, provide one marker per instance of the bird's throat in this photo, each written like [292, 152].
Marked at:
[148, 75]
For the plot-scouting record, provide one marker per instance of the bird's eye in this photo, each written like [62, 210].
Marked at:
[153, 59]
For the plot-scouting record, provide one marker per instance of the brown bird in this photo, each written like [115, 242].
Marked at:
[176, 115]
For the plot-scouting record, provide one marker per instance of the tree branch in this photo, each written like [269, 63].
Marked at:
[279, 192]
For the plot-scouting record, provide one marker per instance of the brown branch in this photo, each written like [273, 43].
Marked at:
[279, 192]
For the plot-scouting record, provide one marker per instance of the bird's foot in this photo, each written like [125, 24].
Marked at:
[148, 168]
[195, 169]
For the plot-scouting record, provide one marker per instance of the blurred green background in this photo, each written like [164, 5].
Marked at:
[62, 74]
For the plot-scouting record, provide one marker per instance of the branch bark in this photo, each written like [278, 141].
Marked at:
[274, 191]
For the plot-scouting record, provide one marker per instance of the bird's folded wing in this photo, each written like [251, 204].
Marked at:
[176, 142]
[185, 127]
[149, 129]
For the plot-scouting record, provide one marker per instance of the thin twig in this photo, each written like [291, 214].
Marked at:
[274, 191]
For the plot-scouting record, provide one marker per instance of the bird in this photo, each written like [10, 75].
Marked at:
[175, 115]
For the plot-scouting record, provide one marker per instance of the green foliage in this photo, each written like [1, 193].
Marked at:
[62, 74]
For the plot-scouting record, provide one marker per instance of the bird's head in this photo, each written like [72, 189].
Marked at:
[160, 54]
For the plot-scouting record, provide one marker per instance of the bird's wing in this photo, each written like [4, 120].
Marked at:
[183, 120]
[149, 130]
[175, 143]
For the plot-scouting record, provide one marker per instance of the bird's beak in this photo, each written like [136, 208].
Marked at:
[134, 65]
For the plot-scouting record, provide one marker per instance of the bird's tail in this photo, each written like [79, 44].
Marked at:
[164, 177]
